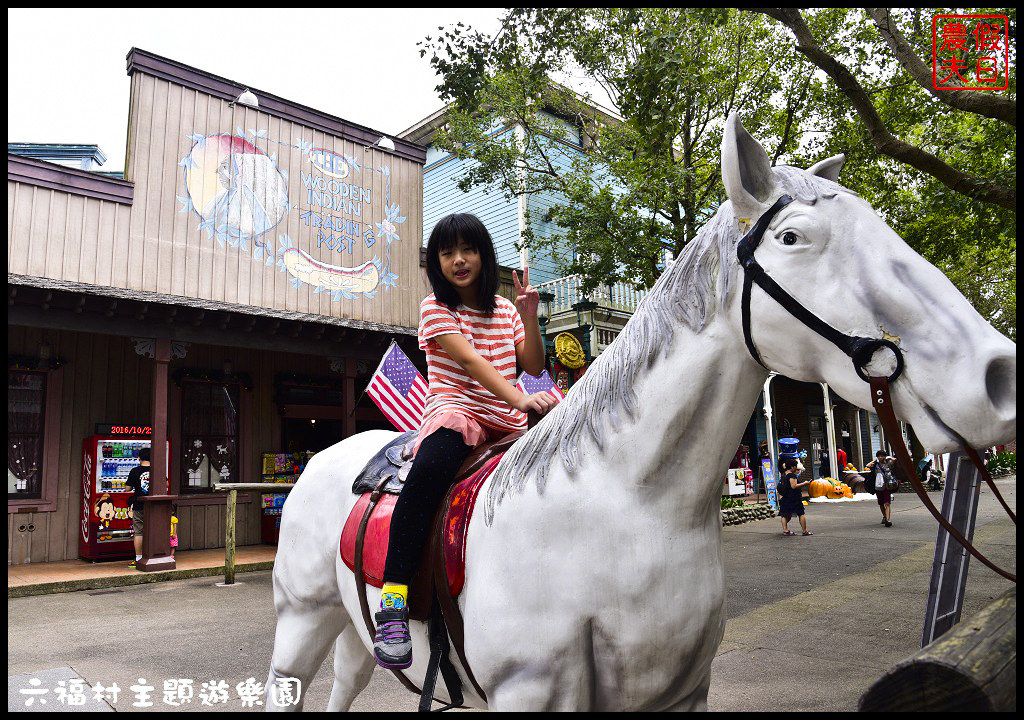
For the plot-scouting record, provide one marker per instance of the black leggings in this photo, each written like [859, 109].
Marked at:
[433, 471]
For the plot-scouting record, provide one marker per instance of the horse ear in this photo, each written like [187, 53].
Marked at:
[828, 168]
[746, 170]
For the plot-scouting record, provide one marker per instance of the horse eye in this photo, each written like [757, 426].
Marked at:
[789, 238]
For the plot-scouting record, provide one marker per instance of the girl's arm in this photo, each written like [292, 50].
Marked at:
[529, 353]
[459, 349]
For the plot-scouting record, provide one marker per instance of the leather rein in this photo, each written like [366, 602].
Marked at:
[861, 350]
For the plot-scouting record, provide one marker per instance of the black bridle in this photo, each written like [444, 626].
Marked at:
[860, 349]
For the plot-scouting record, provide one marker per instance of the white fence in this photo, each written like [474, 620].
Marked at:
[567, 292]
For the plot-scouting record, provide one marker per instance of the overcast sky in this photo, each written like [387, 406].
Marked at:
[67, 79]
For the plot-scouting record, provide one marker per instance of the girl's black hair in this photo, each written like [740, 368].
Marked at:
[789, 463]
[445, 235]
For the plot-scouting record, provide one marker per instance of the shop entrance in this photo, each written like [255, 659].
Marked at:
[307, 434]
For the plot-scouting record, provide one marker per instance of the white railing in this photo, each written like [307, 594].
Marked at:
[567, 291]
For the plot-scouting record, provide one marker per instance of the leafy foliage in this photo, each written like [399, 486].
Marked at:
[1004, 463]
[649, 175]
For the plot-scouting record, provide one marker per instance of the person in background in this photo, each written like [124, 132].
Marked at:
[138, 483]
[876, 478]
[824, 469]
[791, 498]
[174, 530]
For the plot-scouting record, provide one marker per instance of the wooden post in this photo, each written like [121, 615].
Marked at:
[156, 528]
[229, 522]
[973, 668]
[229, 546]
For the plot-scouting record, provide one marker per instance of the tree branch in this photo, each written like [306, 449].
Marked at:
[884, 141]
[981, 103]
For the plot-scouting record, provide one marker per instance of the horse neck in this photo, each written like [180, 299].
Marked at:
[694, 404]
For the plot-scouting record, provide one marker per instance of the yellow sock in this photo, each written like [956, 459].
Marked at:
[394, 596]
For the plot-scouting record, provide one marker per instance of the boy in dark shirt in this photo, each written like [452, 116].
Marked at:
[138, 481]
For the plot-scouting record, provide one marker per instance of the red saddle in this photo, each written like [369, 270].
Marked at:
[457, 513]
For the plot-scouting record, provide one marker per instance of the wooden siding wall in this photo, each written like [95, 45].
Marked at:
[106, 381]
[441, 197]
[55, 234]
[156, 244]
[544, 264]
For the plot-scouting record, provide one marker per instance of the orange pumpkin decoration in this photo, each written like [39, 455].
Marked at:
[819, 488]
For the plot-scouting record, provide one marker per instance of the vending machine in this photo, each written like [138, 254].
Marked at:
[106, 525]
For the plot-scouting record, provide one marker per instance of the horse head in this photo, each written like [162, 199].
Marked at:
[833, 255]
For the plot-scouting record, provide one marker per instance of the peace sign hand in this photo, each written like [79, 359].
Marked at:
[527, 297]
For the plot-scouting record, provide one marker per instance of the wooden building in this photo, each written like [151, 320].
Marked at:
[257, 254]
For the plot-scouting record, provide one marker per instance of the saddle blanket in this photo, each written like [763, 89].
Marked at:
[459, 510]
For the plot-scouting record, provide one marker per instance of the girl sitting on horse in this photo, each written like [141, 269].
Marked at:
[473, 340]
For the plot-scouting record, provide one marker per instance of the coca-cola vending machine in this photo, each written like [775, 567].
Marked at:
[106, 525]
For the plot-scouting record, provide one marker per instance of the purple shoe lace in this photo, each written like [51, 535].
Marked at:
[394, 631]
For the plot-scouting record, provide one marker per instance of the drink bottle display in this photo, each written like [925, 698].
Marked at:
[105, 531]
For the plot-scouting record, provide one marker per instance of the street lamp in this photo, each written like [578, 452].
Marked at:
[543, 318]
[585, 319]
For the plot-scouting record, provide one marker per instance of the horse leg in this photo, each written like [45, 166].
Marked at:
[301, 642]
[697, 701]
[353, 668]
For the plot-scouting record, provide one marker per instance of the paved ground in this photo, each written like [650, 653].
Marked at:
[812, 621]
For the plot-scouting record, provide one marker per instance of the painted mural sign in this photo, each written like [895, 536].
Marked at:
[241, 195]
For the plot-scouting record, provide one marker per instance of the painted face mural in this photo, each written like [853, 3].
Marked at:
[235, 187]
[240, 194]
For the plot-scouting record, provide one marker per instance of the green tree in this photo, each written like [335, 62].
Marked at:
[971, 239]
[650, 177]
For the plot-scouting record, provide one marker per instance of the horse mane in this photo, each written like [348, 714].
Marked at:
[604, 398]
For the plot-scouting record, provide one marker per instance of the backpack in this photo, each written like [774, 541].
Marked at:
[782, 487]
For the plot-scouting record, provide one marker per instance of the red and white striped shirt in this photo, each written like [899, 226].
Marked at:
[494, 336]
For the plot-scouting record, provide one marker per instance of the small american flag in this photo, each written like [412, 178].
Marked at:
[530, 384]
[398, 389]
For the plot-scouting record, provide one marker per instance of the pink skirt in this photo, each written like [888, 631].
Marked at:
[474, 433]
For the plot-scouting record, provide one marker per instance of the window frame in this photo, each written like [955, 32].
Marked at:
[47, 501]
[184, 490]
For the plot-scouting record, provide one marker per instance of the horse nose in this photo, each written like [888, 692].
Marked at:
[1001, 386]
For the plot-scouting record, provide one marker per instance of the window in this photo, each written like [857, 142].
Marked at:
[26, 401]
[209, 435]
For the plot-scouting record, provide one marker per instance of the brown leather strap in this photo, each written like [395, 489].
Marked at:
[364, 605]
[973, 455]
[449, 608]
[882, 403]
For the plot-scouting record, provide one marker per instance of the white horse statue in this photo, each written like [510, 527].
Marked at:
[594, 577]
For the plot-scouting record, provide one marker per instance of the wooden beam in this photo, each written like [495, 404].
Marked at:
[973, 667]
[57, 318]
